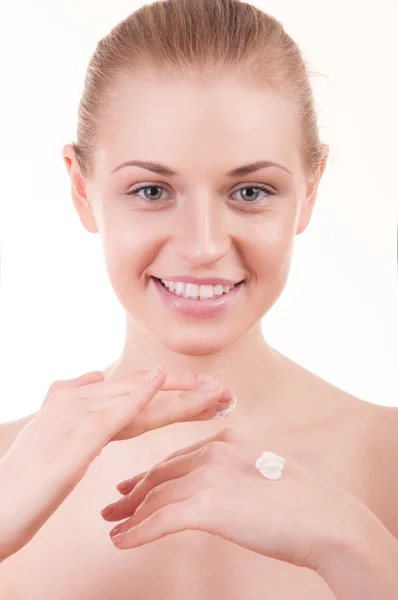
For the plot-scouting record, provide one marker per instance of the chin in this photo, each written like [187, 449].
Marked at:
[197, 346]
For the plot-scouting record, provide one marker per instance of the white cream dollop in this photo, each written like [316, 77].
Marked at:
[270, 465]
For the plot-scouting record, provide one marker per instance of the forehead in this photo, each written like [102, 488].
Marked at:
[224, 122]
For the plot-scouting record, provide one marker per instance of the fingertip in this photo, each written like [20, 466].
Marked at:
[124, 487]
[90, 376]
[155, 374]
[98, 374]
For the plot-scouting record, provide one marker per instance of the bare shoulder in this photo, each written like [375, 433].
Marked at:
[387, 424]
[382, 431]
[371, 431]
[382, 459]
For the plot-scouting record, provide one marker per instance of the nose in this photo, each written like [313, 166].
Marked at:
[203, 237]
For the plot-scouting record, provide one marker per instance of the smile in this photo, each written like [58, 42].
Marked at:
[207, 301]
[194, 291]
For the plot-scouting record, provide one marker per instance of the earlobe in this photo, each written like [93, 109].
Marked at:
[79, 190]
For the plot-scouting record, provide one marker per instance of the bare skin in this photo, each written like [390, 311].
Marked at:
[201, 131]
[72, 556]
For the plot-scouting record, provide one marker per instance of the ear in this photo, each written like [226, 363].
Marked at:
[311, 194]
[79, 190]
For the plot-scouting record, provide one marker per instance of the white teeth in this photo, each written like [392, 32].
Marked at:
[192, 290]
[179, 288]
[206, 291]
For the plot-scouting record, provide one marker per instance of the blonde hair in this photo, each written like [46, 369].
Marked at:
[203, 38]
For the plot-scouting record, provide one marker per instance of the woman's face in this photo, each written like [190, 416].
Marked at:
[201, 221]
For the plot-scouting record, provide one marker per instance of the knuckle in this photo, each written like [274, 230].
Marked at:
[62, 398]
[123, 502]
[155, 492]
[56, 385]
[159, 517]
[213, 450]
[53, 389]
[174, 454]
[152, 475]
[229, 435]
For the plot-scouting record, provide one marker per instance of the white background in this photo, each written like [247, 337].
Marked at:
[338, 314]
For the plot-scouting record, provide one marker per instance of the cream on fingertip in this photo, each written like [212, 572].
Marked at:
[222, 414]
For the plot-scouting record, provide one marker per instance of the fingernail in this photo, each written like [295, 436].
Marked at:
[222, 414]
[108, 510]
[118, 540]
[115, 530]
[209, 386]
[123, 485]
[154, 373]
[226, 398]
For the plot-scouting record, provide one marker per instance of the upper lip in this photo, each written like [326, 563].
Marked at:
[201, 281]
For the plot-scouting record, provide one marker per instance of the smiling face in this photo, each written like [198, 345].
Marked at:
[200, 221]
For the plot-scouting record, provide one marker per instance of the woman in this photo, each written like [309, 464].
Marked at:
[198, 215]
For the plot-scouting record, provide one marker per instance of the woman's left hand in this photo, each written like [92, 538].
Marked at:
[214, 486]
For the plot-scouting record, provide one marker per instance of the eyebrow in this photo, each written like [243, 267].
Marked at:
[165, 171]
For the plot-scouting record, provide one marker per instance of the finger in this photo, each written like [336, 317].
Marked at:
[108, 415]
[165, 410]
[124, 385]
[186, 406]
[115, 414]
[126, 486]
[170, 492]
[183, 381]
[191, 405]
[170, 519]
[158, 476]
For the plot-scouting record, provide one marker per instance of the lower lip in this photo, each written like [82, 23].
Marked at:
[196, 308]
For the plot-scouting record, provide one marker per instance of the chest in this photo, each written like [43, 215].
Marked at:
[190, 565]
[72, 557]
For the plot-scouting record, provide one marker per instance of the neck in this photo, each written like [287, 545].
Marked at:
[251, 368]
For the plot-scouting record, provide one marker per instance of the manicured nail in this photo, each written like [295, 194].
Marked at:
[209, 386]
[226, 398]
[124, 485]
[115, 530]
[118, 540]
[222, 414]
[108, 510]
[154, 373]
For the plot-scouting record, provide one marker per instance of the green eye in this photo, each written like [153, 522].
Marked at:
[252, 198]
[135, 191]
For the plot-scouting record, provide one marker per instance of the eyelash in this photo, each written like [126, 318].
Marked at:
[267, 189]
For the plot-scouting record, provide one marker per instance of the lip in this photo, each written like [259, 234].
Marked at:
[201, 281]
[196, 308]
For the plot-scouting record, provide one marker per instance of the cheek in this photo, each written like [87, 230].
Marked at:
[271, 246]
[128, 250]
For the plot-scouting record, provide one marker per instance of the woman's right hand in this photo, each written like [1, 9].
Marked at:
[78, 418]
